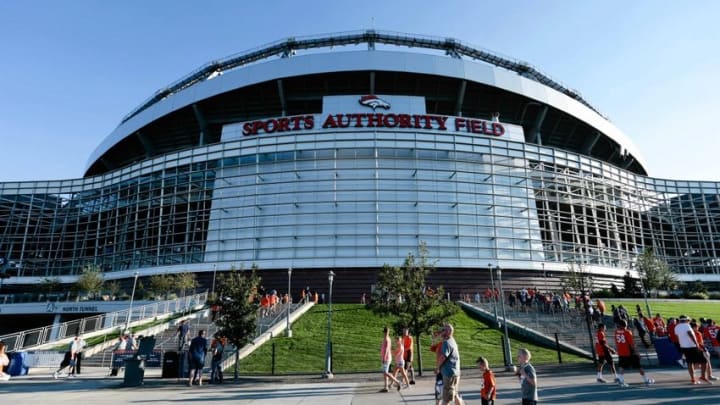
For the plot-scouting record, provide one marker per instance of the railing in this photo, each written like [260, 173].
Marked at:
[39, 336]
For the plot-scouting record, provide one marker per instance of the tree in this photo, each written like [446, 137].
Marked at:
[577, 279]
[112, 288]
[237, 319]
[49, 285]
[654, 272]
[90, 280]
[403, 292]
[161, 285]
[183, 282]
[630, 287]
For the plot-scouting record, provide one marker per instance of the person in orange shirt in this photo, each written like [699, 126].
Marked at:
[408, 345]
[604, 352]
[711, 334]
[649, 324]
[488, 388]
[315, 299]
[660, 329]
[628, 356]
[707, 375]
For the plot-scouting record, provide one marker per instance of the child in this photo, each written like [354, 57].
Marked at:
[488, 387]
[528, 378]
[400, 361]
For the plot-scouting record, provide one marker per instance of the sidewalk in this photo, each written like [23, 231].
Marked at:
[572, 385]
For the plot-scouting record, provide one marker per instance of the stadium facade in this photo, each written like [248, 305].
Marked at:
[345, 152]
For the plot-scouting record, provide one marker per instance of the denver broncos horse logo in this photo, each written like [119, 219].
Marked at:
[374, 102]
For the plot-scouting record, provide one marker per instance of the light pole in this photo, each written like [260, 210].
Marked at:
[132, 298]
[288, 331]
[213, 284]
[492, 294]
[506, 339]
[328, 348]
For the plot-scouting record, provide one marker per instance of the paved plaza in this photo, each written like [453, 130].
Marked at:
[558, 385]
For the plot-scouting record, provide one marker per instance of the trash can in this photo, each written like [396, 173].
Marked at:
[17, 364]
[667, 353]
[170, 365]
[134, 372]
[184, 364]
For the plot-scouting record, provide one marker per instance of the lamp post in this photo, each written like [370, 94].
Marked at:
[213, 284]
[492, 294]
[328, 348]
[132, 299]
[288, 331]
[506, 339]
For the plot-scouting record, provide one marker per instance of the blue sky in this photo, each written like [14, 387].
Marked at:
[70, 70]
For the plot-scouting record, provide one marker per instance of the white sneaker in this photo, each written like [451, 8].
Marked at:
[55, 375]
[649, 382]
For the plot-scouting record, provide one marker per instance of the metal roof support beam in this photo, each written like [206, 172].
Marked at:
[147, 145]
[535, 131]
[202, 123]
[591, 144]
[629, 160]
[372, 82]
[460, 98]
[281, 95]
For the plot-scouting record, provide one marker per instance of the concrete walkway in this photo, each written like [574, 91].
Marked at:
[572, 385]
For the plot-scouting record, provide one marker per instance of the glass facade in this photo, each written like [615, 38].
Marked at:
[324, 199]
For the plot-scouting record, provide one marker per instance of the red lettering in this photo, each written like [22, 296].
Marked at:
[358, 119]
[460, 123]
[375, 120]
[416, 120]
[283, 125]
[295, 121]
[475, 126]
[309, 122]
[341, 123]
[390, 120]
[248, 129]
[441, 122]
[403, 120]
[330, 122]
[270, 126]
[498, 129]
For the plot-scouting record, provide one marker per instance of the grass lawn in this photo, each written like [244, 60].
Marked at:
[357, 334]
[671, 308]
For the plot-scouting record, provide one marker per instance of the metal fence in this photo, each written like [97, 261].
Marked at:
[39, 336]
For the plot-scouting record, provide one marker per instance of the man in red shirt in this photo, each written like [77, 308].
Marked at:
[712, 333]
[604, 352]
[408, 353]
[628, 356]
[672, 323]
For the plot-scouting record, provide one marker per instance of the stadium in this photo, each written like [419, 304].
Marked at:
[344, 152]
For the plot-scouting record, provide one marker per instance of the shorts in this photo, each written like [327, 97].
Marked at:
[693, 355]
[450, 388]
[438, 387]
[386, 367]
[529, 402]
[197, 362]
[484, 401]
[400, 364]
[407, 356]
[607, 358]
[631, 361]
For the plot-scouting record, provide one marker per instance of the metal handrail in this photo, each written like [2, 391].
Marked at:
[26, 339]
[287, 47]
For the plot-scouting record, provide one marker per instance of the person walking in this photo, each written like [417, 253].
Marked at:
[182, 332]
[198, 348]
[385, 357]
[691, 349]
[627, 354]
[528, 378]
[408, 345]
[604, 352]
[217, 348]
[488, 389]
[400, 361]
[448, 364]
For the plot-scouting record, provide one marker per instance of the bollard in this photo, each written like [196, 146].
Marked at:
[557, 347]
[272, 370]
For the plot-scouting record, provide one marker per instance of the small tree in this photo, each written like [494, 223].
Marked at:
[239, 313]
[183, 282]
[654, 272]
[112, 288]
[630, 287]
[403, 292]
[90, 281]
[577, 279]
[49, 285]
[161, 285]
